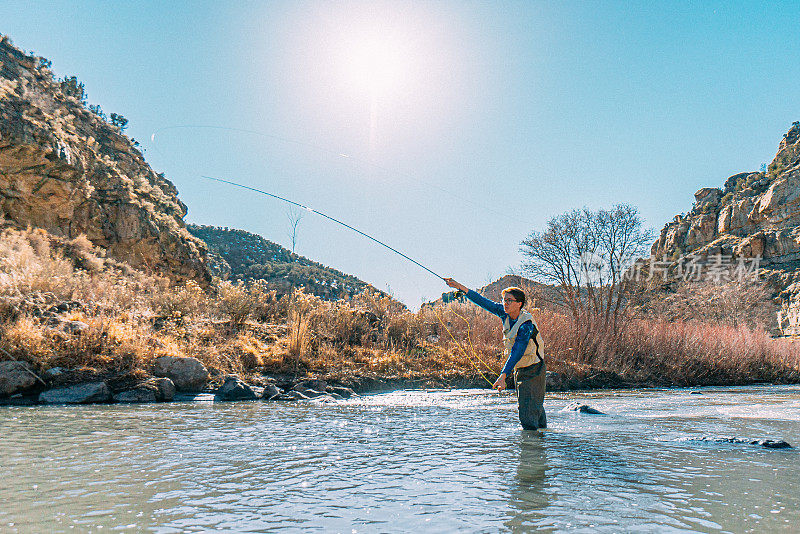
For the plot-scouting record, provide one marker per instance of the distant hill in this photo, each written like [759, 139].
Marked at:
[242, 256]
[539, 295]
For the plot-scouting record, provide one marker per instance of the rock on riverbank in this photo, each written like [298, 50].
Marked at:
[92, 392]
[188, 374]
[158, 389]
[15, 377]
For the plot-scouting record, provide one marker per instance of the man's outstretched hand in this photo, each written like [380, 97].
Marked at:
[456, 285]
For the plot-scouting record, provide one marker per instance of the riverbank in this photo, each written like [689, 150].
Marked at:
[85, 386]
[72, 316]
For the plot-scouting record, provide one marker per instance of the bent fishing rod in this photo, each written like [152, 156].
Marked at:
[471, 354]
[337, 221]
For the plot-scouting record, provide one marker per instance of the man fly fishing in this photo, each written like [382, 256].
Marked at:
[524, 351]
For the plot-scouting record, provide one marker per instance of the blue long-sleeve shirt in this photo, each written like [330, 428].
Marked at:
[526, 330]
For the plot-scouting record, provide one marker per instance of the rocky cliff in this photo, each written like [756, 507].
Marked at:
[64, 168]
[755, 215]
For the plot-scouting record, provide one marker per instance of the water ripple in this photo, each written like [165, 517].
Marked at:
[407, 461]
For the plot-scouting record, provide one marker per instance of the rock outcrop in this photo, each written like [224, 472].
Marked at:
[753, 221]
[65, 169]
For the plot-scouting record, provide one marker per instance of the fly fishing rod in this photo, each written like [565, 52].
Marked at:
[471, 354]
[337, 221]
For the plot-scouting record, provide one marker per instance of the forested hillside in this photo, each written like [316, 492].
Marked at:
[246, 256]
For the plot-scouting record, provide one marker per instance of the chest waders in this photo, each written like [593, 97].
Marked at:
[529, 373]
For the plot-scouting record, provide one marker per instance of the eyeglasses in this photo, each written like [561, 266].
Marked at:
[506, 300]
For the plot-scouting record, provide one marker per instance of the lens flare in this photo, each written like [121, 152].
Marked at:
[379, 66]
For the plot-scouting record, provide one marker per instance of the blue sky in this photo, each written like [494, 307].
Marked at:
[470, 125]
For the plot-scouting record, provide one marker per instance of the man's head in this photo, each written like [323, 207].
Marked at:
[513, 301]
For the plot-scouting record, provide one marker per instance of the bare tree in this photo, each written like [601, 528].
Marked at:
[294, 215]
[585, 255]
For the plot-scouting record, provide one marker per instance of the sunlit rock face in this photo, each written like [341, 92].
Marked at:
[65, 169]
[755, 215]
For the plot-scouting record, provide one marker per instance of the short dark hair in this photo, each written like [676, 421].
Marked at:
[517, 293]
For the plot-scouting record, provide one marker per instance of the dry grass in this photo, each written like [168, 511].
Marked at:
[133, 318]
[661, 352]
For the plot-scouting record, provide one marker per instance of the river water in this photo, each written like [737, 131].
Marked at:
[408, 461]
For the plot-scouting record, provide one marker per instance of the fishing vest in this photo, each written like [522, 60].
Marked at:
[534, 352]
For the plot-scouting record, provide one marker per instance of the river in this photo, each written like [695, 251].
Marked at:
[407, 461]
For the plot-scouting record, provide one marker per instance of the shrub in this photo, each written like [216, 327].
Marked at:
[178, 303]
[70, 86]
[342, 325]
[235, 301]
[97, 110]
[267, 307]
[301, 308]
[119, 121]
[29, 267]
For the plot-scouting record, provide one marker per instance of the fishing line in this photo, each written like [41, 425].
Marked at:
[469, 339]
[461, 348]
[337, 221]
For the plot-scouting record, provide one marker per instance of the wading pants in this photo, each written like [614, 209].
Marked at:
[530, 383]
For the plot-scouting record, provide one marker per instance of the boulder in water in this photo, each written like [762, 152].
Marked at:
[153, 390]
[766, 443]
[90, 392]
[233, 388]
[312, 384]
[270, 390]
[297, 395]
[327, 398]
[774, 444]
[292, 395]
[341, 391]
[165, 388]
[308, 392]
[582, 408]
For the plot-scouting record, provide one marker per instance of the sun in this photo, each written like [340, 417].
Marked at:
[379, 66]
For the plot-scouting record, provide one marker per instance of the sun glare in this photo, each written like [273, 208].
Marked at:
[378, 66]
[376, 70]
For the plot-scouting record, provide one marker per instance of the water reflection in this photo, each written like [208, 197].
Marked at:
[527, 491]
